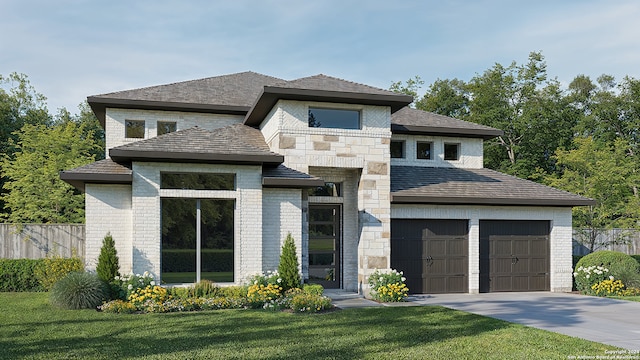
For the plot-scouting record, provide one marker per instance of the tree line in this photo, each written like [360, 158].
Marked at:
[582, 138]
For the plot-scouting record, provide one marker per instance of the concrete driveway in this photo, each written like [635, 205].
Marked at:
[607, 321]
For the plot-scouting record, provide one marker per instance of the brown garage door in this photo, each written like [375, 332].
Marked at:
[433, 254]
[514, 256]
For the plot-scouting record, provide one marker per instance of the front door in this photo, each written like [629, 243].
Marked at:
[325, 237]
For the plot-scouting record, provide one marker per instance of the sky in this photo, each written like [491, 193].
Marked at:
[73, 49]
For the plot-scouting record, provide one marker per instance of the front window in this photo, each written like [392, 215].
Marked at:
[197, 181]
[134, 129]
[424, 150]
[165, 127]
[397, 149]
[334, 118]
[452, 152]
[189, 255]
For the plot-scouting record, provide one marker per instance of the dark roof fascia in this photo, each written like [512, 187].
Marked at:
[100, 104]
[485, 134]
[120, 155]
[280, 182]
[78, 180]
[271, 94]
[400, 199]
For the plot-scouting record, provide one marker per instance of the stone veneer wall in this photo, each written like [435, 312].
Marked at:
[108, 210]
[281, 215]
[560, 238]
[366, 150]
[115, 123]
[146, 194]
[470, 151]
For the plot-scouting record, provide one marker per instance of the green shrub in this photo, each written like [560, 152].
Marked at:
[288, 267]
[205, 288]
[388, 286]
[108, 264]
[233, 292]
[636, 257]
[79, 290]
[19, 275]
[303, 302]
[602, 265]
[118, 307]
[315, 289]
[129, 283]
[55, 268]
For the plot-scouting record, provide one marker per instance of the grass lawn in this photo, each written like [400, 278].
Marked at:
[628, 298]
[31, 328]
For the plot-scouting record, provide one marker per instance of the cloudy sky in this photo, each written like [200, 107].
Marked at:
[73, 49]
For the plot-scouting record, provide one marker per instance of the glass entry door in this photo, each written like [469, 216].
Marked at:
[324, 245]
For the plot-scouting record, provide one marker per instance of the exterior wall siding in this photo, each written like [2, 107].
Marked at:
[281, 215]
[146, 213]
[115, 123]
[108, 210]
[559, 242]
[470, 152]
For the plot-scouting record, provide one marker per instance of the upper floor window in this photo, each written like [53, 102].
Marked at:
[165, 127]
[197, 181]
[134, 129]
[334, 118]
[397, 149]
[329, 189]
[424, 150]
[451, 151]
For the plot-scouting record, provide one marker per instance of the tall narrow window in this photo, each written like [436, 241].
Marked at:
[452, 152]
[197, 240]
[134, 129]
[334, 118]
[397, 149]
[424, 150]
[165, 127]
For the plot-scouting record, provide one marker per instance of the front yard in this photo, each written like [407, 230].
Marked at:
[31, 328]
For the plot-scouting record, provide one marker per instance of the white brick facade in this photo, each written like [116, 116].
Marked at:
[470, 151]
[282, 215]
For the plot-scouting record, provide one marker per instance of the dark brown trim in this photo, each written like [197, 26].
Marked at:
[442, 131]
[100, 104]
[120, 155]
[78, 180]
[281, 182]
[271, 94]
[403, 199]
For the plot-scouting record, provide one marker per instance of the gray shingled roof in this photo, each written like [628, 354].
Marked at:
[329, 83]
[282, 176]
[430, 185]
[237, 144]
[103, 171]
[408, 120]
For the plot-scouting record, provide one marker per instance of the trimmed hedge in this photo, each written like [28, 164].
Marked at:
[19, 275]
[636, 257]
[185, 261]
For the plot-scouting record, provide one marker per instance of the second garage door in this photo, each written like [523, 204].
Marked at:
[433, 254]
[514, 255]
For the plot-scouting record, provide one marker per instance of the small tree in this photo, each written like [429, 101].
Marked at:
[288, 267]
[108, 265]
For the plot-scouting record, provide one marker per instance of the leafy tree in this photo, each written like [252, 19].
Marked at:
[288, 267]
[35, 193]
[605, 173]
[446, 97]
[410, 87]
[108, 263]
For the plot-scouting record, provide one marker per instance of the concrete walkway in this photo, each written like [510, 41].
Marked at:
[607, 321]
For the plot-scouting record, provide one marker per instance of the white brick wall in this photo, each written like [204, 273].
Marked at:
[470, 151]
[146, 213]
[560, 237]
[108, 209]
[281, 214]
[115, 123]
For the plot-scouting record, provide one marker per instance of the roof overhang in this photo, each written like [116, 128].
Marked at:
[122, 155]
[271, 94]
[408, 199]
[78, 180]
[99, 106]
[486, 134]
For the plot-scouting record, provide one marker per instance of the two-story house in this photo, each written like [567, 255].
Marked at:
[204, 179]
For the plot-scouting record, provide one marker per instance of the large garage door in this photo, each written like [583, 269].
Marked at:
[433, 254]
[514, 256]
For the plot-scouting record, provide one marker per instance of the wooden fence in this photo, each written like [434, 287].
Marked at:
[623, 240]
[35, 241]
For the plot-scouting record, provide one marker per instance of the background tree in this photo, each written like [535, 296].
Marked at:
[446, 97]
[410, 87]
[34, 191]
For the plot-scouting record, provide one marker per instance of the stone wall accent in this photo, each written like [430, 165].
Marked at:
[560, 237]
